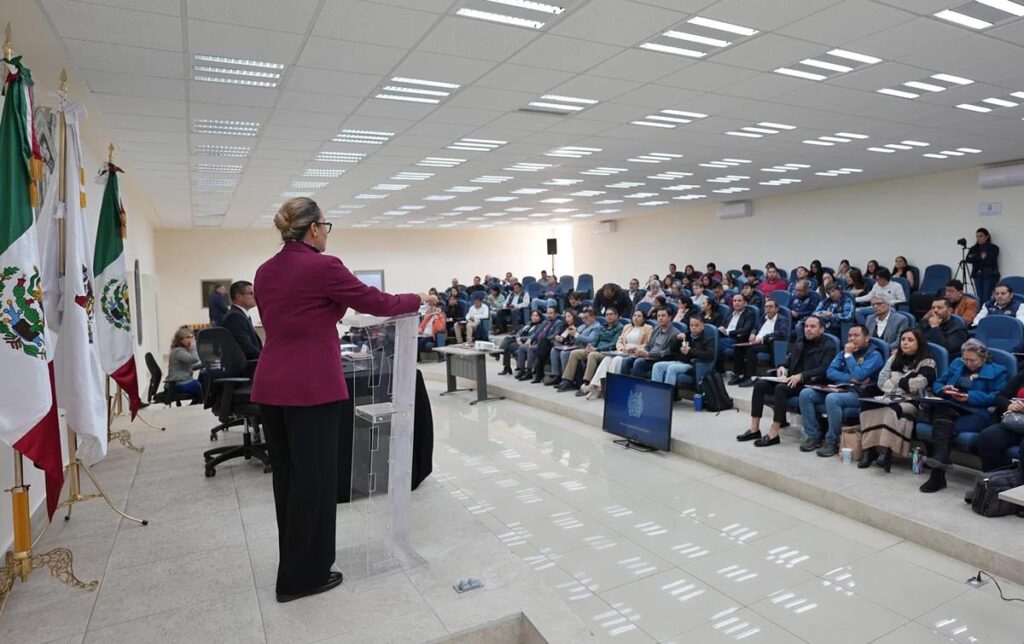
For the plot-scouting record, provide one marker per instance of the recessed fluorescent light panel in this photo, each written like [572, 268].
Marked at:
[698, 37]
[655, 157]
[412, 176]
[477, 145]
[670, 118]
[236, 71]
[232, 151]
[670, 176]
[491, 178]
[528, 167]
[441, 162]
[559, 104]
[779, 182]
[529, 14]
[415, 90]
[327, 173]
[761, 129]
[986, 105]
[828, 65]
[982, 14]
[930, 85]
[839, 172]
[363, 137]
[330, 156]
[838, 137]
[231, 128]
[218, 168]
[571, 152]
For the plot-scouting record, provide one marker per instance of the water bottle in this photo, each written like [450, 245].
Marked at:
[698, 403]
[917, 461]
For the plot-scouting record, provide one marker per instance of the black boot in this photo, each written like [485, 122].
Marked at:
[885, 459]
[867, 458]
[935, 482]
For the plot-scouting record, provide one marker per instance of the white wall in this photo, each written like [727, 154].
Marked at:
[412, 260]
[919, 217]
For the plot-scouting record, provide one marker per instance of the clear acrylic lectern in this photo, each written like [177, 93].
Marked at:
[379, 356]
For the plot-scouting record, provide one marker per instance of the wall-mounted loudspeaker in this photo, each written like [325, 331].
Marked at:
[552, 246]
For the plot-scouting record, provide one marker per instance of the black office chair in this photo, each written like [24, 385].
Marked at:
[226, 389]
[166, 396]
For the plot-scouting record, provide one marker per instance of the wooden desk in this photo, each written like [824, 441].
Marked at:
[466, 362]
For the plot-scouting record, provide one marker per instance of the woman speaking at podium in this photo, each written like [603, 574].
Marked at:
[299, 384]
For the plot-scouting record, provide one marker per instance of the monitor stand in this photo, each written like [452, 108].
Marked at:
[629, 443]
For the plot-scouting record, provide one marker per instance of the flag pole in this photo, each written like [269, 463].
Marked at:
[75, 464]
[20, 562]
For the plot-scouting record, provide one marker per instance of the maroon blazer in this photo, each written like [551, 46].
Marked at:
[301, 294]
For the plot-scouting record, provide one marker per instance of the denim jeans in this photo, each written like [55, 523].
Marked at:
[668, 371]
[834, 404]
[641, 368]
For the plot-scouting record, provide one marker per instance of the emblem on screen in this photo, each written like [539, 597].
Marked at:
[635, 404]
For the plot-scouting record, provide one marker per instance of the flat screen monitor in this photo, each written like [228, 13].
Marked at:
[638, 410]
[371, 278]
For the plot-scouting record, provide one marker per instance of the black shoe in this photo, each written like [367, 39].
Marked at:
[749, 435]
[746, 382]
[551, 381]
[580, 393]
[935, 482]
[867, 458]
[566, 385]
[505, 372]
[810, 444]
[537, 380]
[733, 379]
[767, 441]
[334, 580]
[828, 449]
[885, 459]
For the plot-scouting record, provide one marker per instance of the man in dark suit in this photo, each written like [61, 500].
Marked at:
[237, 320]
[218, 304]
[882, 323]
[736, 328]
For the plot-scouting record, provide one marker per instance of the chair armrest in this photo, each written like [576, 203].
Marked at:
[236, 380]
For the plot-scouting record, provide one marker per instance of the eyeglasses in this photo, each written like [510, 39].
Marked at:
[878, 304]
[326, 224]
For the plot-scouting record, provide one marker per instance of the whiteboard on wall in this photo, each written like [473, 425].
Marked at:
[371, 278]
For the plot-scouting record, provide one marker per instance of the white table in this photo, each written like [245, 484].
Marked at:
[1015, 496]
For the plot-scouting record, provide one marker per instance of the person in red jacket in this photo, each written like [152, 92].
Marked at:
[299, 384]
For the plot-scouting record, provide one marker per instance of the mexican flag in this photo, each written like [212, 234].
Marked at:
[69, 301]
[28, 410]
[114, 323]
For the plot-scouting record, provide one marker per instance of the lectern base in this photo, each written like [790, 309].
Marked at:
[370, 560]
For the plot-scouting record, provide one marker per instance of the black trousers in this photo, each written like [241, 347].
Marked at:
[303, 446]
[745, 359]
[992, 445]
[540, 357]
[781, 393]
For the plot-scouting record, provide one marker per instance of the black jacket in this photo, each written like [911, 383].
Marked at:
[620, 300]
[810, 359]
[702, 348]
[951, 334]
[1008, 393]
[744, 327]
[241, 328]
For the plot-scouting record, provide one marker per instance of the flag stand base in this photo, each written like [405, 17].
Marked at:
[73, 473]
[21, 562]
[115, 408]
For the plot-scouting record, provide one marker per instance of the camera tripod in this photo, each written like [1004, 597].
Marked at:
[963, 272]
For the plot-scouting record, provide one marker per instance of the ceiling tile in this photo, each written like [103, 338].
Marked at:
[298, 118]
[451, 69]
[523, 79]
[595, 87]
[340, 55]
[167, 7]
[154, 123]
[906, 38]
[129, 60]
[322, 81]
[376, 24]
[450, 114]
[114, 104]
[293, 16]
[640, 65]
[845, 22]
[491, 99]
[133, 85]
[657, 96]
[766, 16]
[436, 6]
[568, 54]
[615, 22]
[457, 36]
[766, 85]
[234, 41]
[766, 52]
[231, 94]
[114, 25]
[316, 102]
[886, 74]
[707, 76]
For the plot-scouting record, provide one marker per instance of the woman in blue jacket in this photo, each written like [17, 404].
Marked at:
[972, 381]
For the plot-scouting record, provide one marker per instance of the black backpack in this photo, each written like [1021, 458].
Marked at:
[716, 397]
[984, 498]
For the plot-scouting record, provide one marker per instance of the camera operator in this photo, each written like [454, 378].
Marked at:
[983, 257]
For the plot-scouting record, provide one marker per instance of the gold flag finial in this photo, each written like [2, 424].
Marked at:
[110, 153]
[63, 80]
[8, 44]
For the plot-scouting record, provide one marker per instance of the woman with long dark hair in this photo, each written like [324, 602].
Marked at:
[983, 257]
[900, 268]
[886, 428]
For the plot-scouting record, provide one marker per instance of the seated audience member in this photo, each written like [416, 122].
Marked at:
[806, 364]
[685, 311]
[675, 274]
[855, 283]
[886, 287]
[634, 337]
[996, 439]
[519, 345]
[517, 306]
[736, 328]
[827, 280]
[541, 343]
[707, 281]
[563, 341]
[942, 328]
[659, 302]
[612, 295]
[496, 303]
[772, 282]
[775, 328]
[752, 296]
[803, 302]
[883, 323]
[662, 346]
[801, 273]
[455, 285]
[666, 283]
[690, 274]
[972, 383]
[675, 293]
[900, 268]
[477, 285]
[730, 282]
[694, 346]
[218, 304]
[718, 291]
[965, 307]
[634, 293]
[886, 428]
[698, 296]
[749, 276]
[834, 310]
[871, 269]
[454, 318]
[455, 291]
[509, 280]
[713, 273]
[710, 313]
[431, 323]
[653, 291]
[843, 272]
[593, 353]
[182, 361]
[238, 322]
[477, 314]
[586, 335]
[574, 302]
[815, 272]
[855, 371]
[1002, 303]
